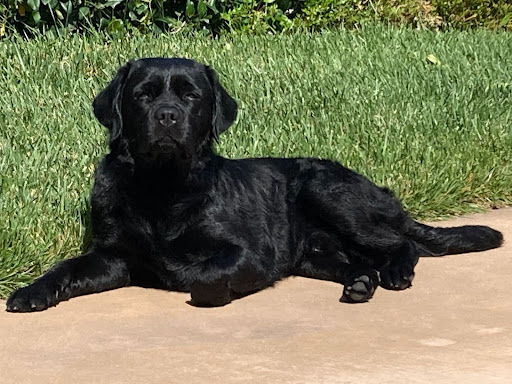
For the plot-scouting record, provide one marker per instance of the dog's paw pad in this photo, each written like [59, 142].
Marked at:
[361, 290]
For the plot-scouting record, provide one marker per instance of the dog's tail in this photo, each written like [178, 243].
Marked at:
[432, 241]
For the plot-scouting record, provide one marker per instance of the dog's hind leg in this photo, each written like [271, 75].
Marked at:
[360, 281]
[324, 258]
[368, 221]
[399, 273]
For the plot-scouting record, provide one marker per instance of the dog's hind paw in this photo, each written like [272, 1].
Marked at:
[361, 288]
[397, 277]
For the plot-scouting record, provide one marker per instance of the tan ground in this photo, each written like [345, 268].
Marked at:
[453, 326]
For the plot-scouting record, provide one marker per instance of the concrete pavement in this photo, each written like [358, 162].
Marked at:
[453, 326]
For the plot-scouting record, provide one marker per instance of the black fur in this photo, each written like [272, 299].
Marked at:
[168, 212]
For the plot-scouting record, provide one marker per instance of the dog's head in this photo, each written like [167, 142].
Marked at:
[163, 108]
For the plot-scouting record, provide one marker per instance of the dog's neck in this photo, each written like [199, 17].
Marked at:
[179, 174]
[170, 177]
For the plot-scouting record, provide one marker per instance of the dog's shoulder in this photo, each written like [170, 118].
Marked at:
[110, 173]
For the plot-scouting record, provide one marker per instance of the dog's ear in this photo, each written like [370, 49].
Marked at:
[225, 107]
[107, 104]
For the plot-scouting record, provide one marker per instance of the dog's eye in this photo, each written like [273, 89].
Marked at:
[142, 96]
[190, 96]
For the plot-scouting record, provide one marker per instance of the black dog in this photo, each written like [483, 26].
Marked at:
[168, 212]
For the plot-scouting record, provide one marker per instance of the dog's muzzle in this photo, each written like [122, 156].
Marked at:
[167, 116]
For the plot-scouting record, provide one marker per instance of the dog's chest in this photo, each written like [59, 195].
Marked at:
[159, 224]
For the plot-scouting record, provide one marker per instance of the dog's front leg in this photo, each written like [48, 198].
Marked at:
[90, 273]
[229, 277]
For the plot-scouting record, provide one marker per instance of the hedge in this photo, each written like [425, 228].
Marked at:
[30, 17]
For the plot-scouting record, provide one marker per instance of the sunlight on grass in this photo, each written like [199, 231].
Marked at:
[427, 114]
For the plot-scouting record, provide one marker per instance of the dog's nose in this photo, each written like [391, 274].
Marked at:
[167, 115]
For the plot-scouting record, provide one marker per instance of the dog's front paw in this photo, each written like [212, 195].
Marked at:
[214, 294]
[397, 277]
[360, 287]
[35, 297]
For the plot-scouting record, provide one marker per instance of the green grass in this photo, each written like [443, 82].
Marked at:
[439, 134]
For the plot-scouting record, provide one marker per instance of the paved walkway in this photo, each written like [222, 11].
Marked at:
[453, 326]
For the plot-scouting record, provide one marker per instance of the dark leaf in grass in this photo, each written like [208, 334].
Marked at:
[190, 9]
[22, 9]
[201, 8]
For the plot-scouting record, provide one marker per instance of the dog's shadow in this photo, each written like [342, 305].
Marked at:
[236, 296]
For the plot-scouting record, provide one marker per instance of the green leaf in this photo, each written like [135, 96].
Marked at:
[67, 6]
[59, 14]
[190, 10]
[82, 12]
[165, 19]
[211, 5]
[156, 29]
[132, 16]
[33, 4]
[115, 25]
[36, 17]
[201, 8]
[433, 59]
[505, 20]
[103, 23]
[112, 4]
[141, 8]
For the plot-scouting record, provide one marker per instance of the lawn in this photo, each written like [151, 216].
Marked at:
[428, 114]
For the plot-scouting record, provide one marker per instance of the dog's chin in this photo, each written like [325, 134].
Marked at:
[155, 157]
[165, 152]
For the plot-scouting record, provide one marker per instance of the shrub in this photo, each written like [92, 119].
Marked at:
[246, 16]
[113, 16]
[258, 16]
[463, 14]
